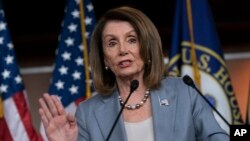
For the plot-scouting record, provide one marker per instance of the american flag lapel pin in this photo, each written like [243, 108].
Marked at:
[163, 102]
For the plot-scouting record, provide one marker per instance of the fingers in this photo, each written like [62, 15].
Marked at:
[51, 106]
[71, 120]
[43, 117]
[59, 107]
[44, 110]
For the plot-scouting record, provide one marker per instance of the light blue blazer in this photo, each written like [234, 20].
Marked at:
[187, 117]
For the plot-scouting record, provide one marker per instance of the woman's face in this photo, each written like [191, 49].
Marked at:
[121, 49]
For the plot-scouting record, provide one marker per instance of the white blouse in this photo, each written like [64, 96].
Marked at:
[140, 131]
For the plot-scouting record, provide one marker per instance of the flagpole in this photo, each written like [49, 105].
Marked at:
[193, 53]
[85, 52]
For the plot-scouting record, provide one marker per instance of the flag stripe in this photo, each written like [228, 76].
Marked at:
[4, 131]
[42, 132]
[79, 100]
[14, 121]
[22, 107]
[71, 108]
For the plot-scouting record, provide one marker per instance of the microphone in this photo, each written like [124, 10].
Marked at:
[189, 81]
[133, 86]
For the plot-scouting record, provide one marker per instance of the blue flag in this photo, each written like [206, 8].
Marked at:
[196, 51]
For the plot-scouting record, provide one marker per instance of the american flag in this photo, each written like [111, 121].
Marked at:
[15, 119]
[69, 78]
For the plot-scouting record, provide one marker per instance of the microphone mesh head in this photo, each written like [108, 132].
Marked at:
[134, 85]
[188, 80]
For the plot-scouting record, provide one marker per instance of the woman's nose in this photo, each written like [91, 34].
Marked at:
[123, 50]
[123, 53]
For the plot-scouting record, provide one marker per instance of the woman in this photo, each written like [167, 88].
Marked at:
[126, 46]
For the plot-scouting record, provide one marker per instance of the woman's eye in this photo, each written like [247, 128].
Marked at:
[132, 40]
[111, 44]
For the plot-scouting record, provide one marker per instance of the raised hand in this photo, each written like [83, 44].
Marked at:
[59, 126]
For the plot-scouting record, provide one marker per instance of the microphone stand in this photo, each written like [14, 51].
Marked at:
[134, 85]
[188, 80]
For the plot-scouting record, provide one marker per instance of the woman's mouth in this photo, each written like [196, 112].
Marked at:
[125, 63]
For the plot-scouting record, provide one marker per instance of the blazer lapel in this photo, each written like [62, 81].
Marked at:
[106, 114]
[163, 109]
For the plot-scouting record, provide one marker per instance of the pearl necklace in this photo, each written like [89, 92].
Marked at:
[138, 105]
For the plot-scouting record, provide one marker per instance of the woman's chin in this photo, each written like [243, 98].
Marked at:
[128, 74]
